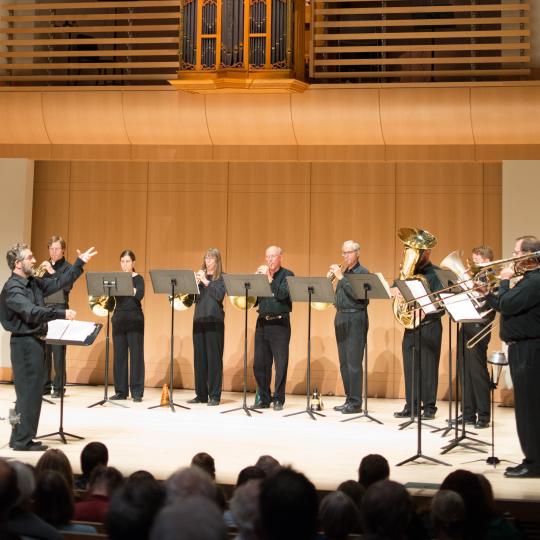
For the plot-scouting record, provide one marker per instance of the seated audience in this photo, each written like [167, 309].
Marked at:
[206, 463]
[245, 511]
[133, 508]
[55, 460]
[104, 481]
[448, 515]
[8, 496]
[189, 482]
[53, 502]
[288, 506]
[339, 516]
[373, 468]
[268, 464]
[354, 490]
[92, 455]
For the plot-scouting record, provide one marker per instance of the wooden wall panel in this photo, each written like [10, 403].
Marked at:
[170, 212]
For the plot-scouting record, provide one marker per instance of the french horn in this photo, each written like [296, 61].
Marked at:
[101, 305]
[181, 302]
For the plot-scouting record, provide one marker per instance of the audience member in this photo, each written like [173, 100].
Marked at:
[104, 481]
[55, 460]
[448, 515]
[21, 520]
[54, 504]
[355, 490]
[140, 475]
[194, 518]
[250, 473]
[206, 463]
[268, 464]
[133, 508]
[386, 511]
[288, 506]
[339, 516]
[245, 509]
[189, 482]
[373, 468]
[8, 496]
[92, 455]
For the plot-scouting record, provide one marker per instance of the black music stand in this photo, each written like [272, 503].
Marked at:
[309, 289]
[66, 332]
[173, 282]
[246, 285]
[417, 296]
[108, 284]
[461, 309]
[368, 287]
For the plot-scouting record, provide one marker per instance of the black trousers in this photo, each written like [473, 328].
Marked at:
[351, 329]
[271, 344]
[208, 340]
[129, 344]
[474, 375]
[430, 336]
[524, 360]
[28, 363]
[55, 357]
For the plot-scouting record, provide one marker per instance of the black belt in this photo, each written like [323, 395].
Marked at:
[525, 340]
[274, 317]
[350, 310]
[41, 338]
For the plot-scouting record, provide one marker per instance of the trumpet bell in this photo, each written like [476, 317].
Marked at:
[102, 305]
[181, 302]
[239, 302]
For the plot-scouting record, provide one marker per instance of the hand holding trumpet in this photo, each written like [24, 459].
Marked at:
[335, 272]
[200, 276]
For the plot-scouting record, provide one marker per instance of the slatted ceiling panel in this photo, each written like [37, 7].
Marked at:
[87, 43]
[400, 40]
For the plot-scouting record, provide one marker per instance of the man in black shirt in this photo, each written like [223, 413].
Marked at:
[351, 324]
[273, 332]
[519, 308]
[55, 355]
[429, 346]
[24, 314]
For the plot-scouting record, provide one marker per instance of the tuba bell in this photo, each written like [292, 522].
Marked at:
[101, 305]
[415, 241]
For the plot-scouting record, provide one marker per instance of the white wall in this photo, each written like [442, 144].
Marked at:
[16, 187]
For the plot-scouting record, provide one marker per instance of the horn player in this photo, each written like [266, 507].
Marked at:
[519, 308]
[350, 325]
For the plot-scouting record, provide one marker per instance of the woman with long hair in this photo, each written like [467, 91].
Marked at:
[209, 330]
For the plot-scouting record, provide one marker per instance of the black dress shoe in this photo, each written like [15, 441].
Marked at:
[118, 397]
[340, 407]
[213, 402]
[197, 400]
[351, 409]
[481, 424]
[428, 415]
[517, 467]
[405, 413]
[137, 399]
[261, 406]
[524, 472]
[56, 394]
[34, 446]
[278, 406]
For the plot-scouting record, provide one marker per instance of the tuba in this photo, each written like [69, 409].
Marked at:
[415, 241]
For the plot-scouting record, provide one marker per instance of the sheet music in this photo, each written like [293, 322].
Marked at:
[460, 307]
[70, 330]
[421, 295]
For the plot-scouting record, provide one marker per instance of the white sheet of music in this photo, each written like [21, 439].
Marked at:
[421, 295]
[70, 330]
[460, 307]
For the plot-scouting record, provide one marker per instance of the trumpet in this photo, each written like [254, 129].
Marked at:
[321, 306]
[41, 270]
[331, 275]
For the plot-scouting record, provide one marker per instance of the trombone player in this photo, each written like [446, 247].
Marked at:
[519, 308]
[350, 324]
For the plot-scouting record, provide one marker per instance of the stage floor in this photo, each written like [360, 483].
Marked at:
[327, 450]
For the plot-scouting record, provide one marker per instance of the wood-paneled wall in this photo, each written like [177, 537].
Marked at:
[170, 213]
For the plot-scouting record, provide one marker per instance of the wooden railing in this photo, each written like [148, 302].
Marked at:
[132, 41]
[419, 40]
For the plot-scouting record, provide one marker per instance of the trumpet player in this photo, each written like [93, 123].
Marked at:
[273, 332]
[24, 314]
[474, 373]
[209, 330]
[519, 308]
[350, 324]
[55, 355]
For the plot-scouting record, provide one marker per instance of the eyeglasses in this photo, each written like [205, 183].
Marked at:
[344, 253]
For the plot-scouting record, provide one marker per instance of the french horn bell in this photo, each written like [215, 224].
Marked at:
[101, 305]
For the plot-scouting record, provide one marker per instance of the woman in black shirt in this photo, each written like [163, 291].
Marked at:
[209, 330]
[128, 336]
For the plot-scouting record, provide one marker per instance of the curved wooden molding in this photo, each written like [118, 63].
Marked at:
[360, 124]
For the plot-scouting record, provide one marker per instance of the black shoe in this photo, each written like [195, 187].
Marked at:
[197, 400]
[278, 406]
[469, 420]
[405, 413]
[428, 415]
[213, 402]
[118, 397]
[481, 424]
[351, 409]
[340, 407]
[137, 399]
[56, 394]
[33, 446]
[515, 468]
[46, 390]
[261, 406]
[524, 472]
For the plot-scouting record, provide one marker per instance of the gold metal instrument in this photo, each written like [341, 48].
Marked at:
[181, 302]
[41, 270]
[239, 302]
[102, 305]
[164, 396]
[415, 241]
[321, 306]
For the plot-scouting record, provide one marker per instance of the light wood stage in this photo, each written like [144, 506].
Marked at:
[327, 450]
